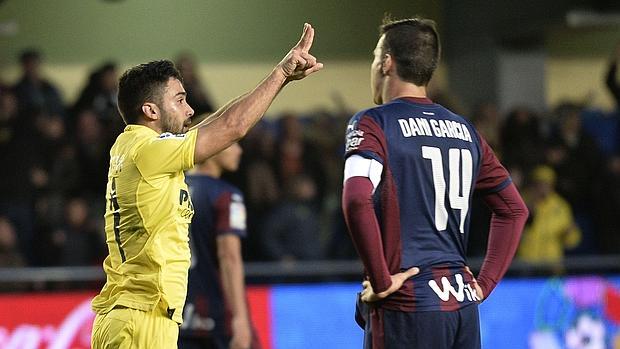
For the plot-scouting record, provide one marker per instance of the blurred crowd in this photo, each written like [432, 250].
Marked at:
[566, 162]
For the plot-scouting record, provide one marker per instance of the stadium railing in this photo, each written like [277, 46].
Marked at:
[308, 271]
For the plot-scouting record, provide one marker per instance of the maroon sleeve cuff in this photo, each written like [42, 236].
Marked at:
[364, 229]
[507, 222]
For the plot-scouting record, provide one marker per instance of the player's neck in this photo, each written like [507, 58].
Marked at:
[152, 124]
[396, 88]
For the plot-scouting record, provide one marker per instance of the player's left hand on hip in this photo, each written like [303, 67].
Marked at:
[368, 295]
[479, 292]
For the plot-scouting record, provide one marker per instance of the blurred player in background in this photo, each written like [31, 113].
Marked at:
[148, 204]
[216, 312]
[411, 169]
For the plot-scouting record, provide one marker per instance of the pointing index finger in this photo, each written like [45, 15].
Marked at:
[307, 37]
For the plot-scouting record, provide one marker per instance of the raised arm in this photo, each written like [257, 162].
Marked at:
[232, 121]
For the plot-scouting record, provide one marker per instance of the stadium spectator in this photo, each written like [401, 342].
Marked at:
[99, 97]
[260, 178]
[290, 231]
[27, 129]
[56, 174]
[605, 128]
[411, 168]
[27, 176]
[216, 288]
[521, 141]
[8, 116]
[578, 164]
[607, 208]
[92, 154]
[487, 119]
[296, 156]
[33, 92]
[78, 240]
[262, 188]
[197, 94]
[551, 229]
[10, 256]
[99, 94]
[488, 122]
[324, 134]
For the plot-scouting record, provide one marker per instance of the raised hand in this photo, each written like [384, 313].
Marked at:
[299, 63]
[369, 295]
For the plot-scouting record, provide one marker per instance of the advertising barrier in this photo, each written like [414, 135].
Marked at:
[54, 321]
[549, 313]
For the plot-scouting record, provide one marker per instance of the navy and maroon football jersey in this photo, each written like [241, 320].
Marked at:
[433, 161]
[219, 209]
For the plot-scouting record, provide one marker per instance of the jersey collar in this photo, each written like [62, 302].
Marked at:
[139, 128]
[419, 100]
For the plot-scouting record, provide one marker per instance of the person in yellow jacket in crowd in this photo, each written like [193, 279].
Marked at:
[552, 228]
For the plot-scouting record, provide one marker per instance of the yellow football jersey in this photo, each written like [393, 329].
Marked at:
[148, 212]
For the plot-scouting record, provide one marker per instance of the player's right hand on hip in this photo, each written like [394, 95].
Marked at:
[368, 295]
[299, 63]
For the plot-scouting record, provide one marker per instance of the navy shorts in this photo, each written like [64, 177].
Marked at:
[389, 329]
[213, 342]
[220, 342]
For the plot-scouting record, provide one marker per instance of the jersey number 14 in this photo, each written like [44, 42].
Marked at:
[460, 167]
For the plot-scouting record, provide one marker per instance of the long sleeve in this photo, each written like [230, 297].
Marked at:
[509, 216]
[364, 228]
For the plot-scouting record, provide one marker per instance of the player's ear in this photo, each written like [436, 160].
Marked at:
[386, 63]
[150, 110]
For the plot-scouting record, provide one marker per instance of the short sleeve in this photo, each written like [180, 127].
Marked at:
[492, 176]
[230, 214]
[365, 137]
[168, 153]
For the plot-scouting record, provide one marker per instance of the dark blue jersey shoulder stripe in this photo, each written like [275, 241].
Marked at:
[497, 188]
[366, 154]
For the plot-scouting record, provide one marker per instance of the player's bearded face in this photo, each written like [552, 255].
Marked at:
[169, 123]
[175, 112]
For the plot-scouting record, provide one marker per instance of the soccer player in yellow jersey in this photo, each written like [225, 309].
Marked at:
[148, 204]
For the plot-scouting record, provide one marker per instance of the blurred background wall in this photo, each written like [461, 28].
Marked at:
[237, 42]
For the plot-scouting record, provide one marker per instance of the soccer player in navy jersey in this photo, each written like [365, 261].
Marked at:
[411, 169]
[216, 313]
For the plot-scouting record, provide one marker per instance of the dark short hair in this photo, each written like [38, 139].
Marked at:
[29, 55]
[143, 83]
[414, 44]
